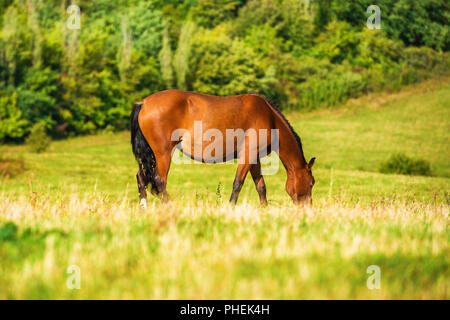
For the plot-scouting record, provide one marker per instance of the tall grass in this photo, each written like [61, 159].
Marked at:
[201, 250]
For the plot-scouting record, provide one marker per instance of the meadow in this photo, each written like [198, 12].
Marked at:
[77, 204]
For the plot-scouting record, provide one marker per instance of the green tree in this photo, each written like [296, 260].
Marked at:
[223, 66]
[183, 53]
[16, 44]
[166, 58]
[339, 42]
[146, 25]
[38, 96]
[210, 13]
[13, 126]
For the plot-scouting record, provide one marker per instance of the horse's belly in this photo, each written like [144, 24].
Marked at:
[214, 151]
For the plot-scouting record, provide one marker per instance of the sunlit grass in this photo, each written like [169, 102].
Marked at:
[203, 250]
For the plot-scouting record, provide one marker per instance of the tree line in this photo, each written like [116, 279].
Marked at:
[304, 54]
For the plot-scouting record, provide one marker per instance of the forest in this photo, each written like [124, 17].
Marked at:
[303, 54]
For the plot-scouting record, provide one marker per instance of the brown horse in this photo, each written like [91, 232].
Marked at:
[157, 117]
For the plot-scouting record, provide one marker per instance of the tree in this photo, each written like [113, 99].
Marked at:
[13, 126]
[38, 96]
[220, 65]
[210, 13]
[183, 53]
[166, 58]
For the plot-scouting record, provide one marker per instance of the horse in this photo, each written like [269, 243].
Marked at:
[158, 116]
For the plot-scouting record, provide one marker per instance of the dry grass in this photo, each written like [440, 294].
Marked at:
[201, 250]
[11, 167]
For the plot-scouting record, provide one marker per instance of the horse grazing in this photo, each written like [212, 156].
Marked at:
[155, 119]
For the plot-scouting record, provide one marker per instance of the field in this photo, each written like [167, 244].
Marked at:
[77, 204]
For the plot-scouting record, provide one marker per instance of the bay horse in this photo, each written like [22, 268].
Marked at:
[155, 118]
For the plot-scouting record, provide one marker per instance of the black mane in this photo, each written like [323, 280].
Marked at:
[274, 105]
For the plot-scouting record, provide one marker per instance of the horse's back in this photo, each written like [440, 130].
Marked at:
[177, 99]
[164, 100]
[182, 108]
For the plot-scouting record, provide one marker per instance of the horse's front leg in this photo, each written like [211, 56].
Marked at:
[255, 170]
[239, 179]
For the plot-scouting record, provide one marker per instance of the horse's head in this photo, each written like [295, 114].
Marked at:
[299, 184]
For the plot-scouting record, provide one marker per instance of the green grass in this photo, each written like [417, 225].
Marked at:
[77, 204]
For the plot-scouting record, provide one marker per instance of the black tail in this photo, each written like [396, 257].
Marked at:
[141, 149]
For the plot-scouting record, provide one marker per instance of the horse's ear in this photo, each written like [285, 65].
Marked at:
[311, 163]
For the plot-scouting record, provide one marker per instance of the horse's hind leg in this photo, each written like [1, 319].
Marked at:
[162, 169]
[142, 187]
[255, 170]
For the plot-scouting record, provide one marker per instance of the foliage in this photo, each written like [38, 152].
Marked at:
[166, 60]
[8, 231]
[209, 13]
[402, 164]
[419, 23]
[38, 141]
[183, 53]
[304, 54]
[13, 125]
[223, 66]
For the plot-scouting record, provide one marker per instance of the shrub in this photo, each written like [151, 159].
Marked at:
[331, 90]
[11, 167]
[426, 62]
[402, 164]
[421, 58]
[8, 231]
[38, 140]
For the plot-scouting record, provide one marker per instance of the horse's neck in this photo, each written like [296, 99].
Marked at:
[290, 151]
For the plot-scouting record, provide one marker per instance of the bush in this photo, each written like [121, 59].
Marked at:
[331, 90]
[8, 231]
[402, 164]
[426, 62]
[38, 140]
[11, 167]
[421, 58]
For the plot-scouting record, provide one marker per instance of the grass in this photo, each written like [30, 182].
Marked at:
[77, 204]
[204, 251]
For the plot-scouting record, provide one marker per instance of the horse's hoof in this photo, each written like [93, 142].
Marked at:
[143, 203]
